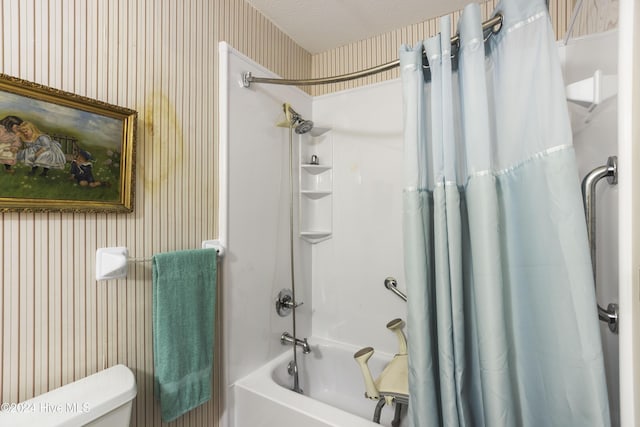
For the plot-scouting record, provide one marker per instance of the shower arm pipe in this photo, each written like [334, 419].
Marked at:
[609, 171]
[248, 78]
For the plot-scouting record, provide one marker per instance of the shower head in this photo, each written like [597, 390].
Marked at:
[296, 121]
[303, 126]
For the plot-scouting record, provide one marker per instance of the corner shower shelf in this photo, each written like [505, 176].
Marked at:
[313, 194]
[593, 91]
[315, 234]
[315, 169]
[316, 186]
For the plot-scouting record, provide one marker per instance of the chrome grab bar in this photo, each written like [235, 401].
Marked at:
[392, 284]
[610, 171]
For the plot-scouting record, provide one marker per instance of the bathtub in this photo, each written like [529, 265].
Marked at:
[332, 384]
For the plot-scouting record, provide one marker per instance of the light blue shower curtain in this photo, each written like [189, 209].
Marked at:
[502, 318]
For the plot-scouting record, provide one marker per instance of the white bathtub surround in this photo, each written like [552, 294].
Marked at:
[350, 301]
[341, 278]
[256, 264]
[333, 391]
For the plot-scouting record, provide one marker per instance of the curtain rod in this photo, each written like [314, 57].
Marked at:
[248, 78]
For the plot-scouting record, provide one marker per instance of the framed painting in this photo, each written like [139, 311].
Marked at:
[63, 152]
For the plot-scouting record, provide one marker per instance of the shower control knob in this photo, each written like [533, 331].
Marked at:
[285, 303]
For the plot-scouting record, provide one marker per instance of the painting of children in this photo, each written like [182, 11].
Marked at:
[63, 152]
[39, 150]
[82, 170]
[9, 146]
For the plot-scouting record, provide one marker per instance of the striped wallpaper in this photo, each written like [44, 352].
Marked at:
[596, 16]
[159, 57]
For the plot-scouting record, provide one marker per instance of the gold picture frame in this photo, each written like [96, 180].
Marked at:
[63, 152]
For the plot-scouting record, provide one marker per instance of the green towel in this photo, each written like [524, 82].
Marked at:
[184, 299]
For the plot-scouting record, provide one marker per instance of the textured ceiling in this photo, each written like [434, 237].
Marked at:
[320, 25]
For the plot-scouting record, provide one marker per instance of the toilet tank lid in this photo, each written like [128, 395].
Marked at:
[76, 403]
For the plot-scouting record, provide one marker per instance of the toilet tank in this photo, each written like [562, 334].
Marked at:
[103, 399]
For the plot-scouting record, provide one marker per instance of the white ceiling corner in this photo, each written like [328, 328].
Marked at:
[321, 25]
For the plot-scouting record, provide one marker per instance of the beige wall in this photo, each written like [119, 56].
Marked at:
[159, 57]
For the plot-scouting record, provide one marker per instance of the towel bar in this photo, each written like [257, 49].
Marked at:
[112, 262]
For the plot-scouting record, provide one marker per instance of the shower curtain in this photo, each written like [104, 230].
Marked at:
[502, 320]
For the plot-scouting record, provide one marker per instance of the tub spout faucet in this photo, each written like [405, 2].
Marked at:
[287, 338]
